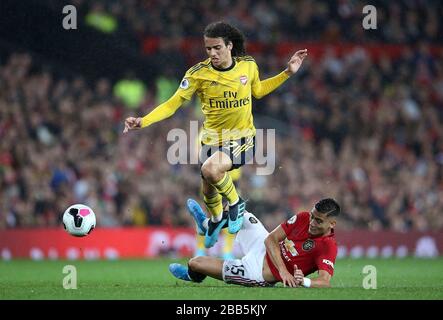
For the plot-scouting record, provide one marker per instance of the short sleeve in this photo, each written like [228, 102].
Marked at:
[325, 259]
[297, 221]
[188, 85]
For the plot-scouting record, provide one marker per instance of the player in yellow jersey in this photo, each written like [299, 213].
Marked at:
[224, 83]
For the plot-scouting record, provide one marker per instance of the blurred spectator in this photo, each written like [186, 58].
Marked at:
[166, 86]
[100, 20]
[130, 90]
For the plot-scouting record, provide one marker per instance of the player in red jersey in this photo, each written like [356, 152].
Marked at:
[298, 247]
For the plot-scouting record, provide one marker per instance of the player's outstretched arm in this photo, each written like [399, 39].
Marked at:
[322, 281]
[163, 111]
[262, 88]
[273, 248]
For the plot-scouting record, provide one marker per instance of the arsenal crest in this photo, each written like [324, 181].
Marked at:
[308, 245]
[243, 80]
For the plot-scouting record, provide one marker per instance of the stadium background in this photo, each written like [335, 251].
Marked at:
[361, 122]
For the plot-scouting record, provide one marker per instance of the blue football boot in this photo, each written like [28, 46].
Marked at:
[179, 271]
[214, 228]
[236, 213]
[184, 273]
[198, 214]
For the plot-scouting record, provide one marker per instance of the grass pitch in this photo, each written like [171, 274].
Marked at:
[150, 279]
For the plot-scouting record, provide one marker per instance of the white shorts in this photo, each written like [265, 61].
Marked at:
[247, 271]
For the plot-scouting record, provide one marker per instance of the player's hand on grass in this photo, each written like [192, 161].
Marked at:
[288, 279]
[132, 123]
[296, 61]
[298, 275]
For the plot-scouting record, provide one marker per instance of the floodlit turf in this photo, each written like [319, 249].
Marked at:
[150, 279]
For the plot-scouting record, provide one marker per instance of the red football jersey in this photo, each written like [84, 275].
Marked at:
[302, 249]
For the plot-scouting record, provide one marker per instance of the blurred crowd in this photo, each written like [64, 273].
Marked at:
[366, 131]
[404, 21]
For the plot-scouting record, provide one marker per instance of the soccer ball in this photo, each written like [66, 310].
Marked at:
[79, 220]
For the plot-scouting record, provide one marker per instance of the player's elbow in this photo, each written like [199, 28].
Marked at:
[257, 95]
[322, 282]
[267, 242]
[270, 241]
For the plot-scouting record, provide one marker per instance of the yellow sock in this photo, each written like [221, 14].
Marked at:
[235, 174]
[200, 242]
[228, 241]
[227, 189]
[214, 204]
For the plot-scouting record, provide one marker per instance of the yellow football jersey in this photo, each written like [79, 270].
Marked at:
[225, 97]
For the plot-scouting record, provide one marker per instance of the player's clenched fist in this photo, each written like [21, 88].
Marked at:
[132, 123]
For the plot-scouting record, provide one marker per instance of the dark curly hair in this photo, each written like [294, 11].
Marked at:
[328, 206]
[223, 30]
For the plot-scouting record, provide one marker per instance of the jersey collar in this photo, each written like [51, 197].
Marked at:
[227, 69]
[332, 234]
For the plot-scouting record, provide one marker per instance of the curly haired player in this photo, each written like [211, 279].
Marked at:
[224, 83]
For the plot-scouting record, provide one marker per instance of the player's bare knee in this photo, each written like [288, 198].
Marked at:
[210, 171]
[196, 263]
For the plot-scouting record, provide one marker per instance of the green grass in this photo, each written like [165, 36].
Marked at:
[150, 279]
